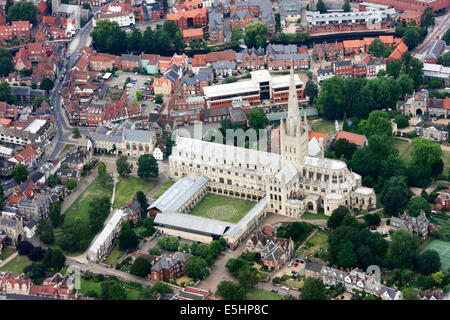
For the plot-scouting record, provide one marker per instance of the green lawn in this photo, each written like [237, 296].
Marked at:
[443, 248]
[79, 210]
[404, 149]
[16, 265]
[6, 252]
[127, 187]
[222, 208]
[324, 126]
[259, 294]
[90, 285]
[313, 216]
[319, 239]
[446, 159]
[163, 189]
[115, 254]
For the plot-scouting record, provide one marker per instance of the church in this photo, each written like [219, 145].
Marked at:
[293, 181]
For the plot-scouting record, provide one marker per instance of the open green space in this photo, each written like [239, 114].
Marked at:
[404, 149]
[114, 255]
[443, 248]
[161, 190]
[132, 291]
[127, 187]
[222, 208]
[79, 210]
[319, 239]
[16, 265]
[314, 216]
[259, 294]
[324, 126]
[6, 252]
[446, 159]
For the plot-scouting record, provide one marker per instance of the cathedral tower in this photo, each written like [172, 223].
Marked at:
[293, 132]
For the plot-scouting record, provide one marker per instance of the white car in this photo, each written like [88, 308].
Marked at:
[290, 264]
[80, 261]
[285, 288]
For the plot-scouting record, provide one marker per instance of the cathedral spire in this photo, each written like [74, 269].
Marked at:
[293, 112]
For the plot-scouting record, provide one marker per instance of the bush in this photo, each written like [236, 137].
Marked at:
[169, 243]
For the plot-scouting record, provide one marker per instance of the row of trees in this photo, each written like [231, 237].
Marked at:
[108, 37]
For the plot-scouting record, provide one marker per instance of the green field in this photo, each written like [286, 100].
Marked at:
[443, 248]
[79, 210]
[324, 126]
[404, 149]
[6, 252]
[16, 265]
[163, 189]
[90, 285]
[222, 208]
[114, 255]
[319, 239]
[258, 294]
[446, 159]
[127, 187]
[313, 216]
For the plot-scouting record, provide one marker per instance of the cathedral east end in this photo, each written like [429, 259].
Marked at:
[293, 181]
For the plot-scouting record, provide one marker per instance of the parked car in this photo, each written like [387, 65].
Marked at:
[296, 265]
[274, 290]
[285, 288]
[290, 264]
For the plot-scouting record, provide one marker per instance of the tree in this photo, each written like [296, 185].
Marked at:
[5, 93]
[427, 18]
[158, 288]
[377, 123]
[237, 266]
[257, 119]
[446, 37]
[101, 168]
[313, 289]
[19, 173]
[99, 209]
[46, 84]
[248, 279]
[418, 204]
[128, 240]
[378, 49]
[71, 184]
[139, 95]
[372, 219]
[321, 7]
[123, 167]
[197, 268]
[345, 148]
[36, 254]
[109, 38]
[228, 290]
[403, 249]
[55, 216]
[401, 121]
[236, 36]
[424, 154]
[147, 167]
[22, 11]
[337, 216]
[44, 231]
[170, 243]
[76, 133]
[395, 195]
[134, 42]
[154, 251]
[346, 7]
[444, 59]
[255, 35]
[142, 199]
[428, 262]
[410, 294]
[406, 84]
[6, 65]
[159, 99]
[311, 91]
[24, 248]
[298, 231]
[54, 259]
[36, 272]
[112, 290]
[141, 267]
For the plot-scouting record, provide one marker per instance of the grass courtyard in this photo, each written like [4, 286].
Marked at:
[114, 255]
[222, 208]
[127, 188]
[324, 126]
[79, 210]
[16, 265]
[258, 294]
[6, 252]
[133, 291]
[443, 248]
[404, 149]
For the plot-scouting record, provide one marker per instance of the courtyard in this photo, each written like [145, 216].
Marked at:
[222, 208]
[127, 187]
[16, 265]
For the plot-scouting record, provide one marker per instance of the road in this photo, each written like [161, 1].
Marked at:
[63, 130]
[442, 25]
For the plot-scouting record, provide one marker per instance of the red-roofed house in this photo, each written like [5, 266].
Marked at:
[27, 156]
[18, 30]
[214, 57]
[42, 7]
[192, 34]
[357, 139]
[190, 18]
[198, 61]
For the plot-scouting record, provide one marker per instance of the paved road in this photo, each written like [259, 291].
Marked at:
[442, 25]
